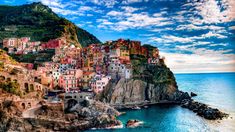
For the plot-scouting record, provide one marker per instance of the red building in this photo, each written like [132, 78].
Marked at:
[52, 44]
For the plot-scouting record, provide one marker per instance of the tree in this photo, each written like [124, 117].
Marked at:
[6, 49]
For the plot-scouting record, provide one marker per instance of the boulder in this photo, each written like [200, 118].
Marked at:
[193, 94]
[133, 123]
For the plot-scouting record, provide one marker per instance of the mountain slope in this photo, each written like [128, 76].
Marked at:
[41, 24]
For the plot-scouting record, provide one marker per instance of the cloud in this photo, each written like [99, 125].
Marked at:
[127, 19]
[232, 28]
[211, 34]
[85, 8]
[129, 9]
[210, 11]
[188, 39]
[64, 11]
[190, 27]
[53, 3]
[107, 3]
[133, 1]
[170, 39]
[201, 61]
[115, 13]
[146, 35]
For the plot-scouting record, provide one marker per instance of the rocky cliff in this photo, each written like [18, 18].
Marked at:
[152, 84]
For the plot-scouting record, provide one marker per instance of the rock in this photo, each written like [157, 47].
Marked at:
[193, 94]
[203, 110]
[154, 84]
[133, 123]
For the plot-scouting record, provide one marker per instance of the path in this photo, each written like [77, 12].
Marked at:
[30, 113]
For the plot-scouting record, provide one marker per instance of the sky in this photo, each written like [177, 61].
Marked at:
[193, 35]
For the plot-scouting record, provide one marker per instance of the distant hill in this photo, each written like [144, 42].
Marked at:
[41, 24]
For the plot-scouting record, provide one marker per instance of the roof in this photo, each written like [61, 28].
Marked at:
[88, 73]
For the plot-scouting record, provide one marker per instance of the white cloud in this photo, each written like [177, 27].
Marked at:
[212, 34]
[115, 13]
[129, 20]
[107, 3]
[129, 9]
[53, 3]
[195, 27]
[146, 35]
[232, 28]
[171, 39]
[210, 11]
[133, 1]
[64, 11]
[189, 39]
[85, 8]
[201, 61]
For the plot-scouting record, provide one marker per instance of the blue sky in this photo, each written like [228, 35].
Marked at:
[193, 35]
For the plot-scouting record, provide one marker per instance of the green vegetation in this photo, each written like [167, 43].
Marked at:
[11, 87]
[34, 58]
[41, 24]
[4, 58]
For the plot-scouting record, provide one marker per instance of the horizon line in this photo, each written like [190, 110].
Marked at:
[204, 72]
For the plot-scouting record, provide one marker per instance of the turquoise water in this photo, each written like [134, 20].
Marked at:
[216, 90]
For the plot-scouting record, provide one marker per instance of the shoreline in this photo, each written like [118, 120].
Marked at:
[142, 104]
[201, 109]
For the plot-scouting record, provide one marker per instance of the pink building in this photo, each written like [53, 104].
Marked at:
[98, 82]
[70, 80]
[10, 43]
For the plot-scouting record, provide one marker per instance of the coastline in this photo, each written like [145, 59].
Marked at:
[142, 104]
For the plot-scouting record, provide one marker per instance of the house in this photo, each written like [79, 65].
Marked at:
[87, 76]
[98, 82]
[88, 69]
[155, 53]
[56, 75]
[10, 43]
[63, 67]
[70, 80]
[54, 43]
[23, 43]
[72, 51]
[153, 60]
[117, 69]
[46, 79]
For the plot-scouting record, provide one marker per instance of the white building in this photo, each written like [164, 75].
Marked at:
[63, 67]
[116, 69]
[56, 75]
[99, 82]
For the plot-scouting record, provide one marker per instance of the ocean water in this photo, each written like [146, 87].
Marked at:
[214, 89]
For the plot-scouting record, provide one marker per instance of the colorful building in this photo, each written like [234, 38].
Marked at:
[98, 82]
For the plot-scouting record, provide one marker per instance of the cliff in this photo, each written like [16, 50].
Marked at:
[41, 24]
[152, 84]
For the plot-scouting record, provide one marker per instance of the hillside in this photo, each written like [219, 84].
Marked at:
[6, 59]
[41, 24]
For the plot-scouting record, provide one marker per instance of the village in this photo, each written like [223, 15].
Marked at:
[75, 70]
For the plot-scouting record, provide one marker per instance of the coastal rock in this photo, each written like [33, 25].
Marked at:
[133, 123]
[98, 114]
[179, 96]
[193, 94]
[152, 85]
[95, 109]
[203, 110]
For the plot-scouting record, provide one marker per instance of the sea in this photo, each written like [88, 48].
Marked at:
[215, 89]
